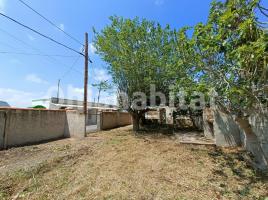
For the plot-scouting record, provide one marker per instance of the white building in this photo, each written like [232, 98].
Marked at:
[55, 104]
[93, 108]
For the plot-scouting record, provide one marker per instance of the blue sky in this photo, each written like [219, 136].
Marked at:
[23, 78]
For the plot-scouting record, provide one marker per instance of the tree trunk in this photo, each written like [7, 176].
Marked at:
[252, 143]
[136, 122]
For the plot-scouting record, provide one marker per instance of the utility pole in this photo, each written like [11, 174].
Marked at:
[58, 93]
[86, 79]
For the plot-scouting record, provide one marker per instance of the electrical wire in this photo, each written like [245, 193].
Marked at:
[51, 59]
[41, 34]
[52, 23]
[35, 54]
[71, 68]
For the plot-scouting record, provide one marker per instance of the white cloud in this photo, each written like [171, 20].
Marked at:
[101, 75]
[30, 37]
[35, 79]
[92, 48]
[17, 98]
[107, 98]
[159, 2]
[23, 99]
[76, 93]
[62, 27]
[2, 5]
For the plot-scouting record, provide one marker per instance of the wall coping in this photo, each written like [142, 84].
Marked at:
[30, 109]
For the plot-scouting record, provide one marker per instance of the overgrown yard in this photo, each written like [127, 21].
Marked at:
[117, 164]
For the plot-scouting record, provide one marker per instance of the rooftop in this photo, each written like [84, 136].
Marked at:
[71, 102]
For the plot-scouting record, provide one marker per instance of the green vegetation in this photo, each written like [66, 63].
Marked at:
[116, 164]
[227, 54]
[39, 107]
[141, 53]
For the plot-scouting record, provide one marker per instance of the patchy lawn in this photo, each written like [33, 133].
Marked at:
[119, 165]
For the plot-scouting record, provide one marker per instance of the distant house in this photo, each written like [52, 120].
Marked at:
[55, 104]
[93, 108]
[4, 104]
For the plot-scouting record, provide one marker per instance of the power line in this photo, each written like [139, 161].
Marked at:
[49, 21]
[70, 69]
[28, 45]
[35, 54]
[41, 34]
[52, 59]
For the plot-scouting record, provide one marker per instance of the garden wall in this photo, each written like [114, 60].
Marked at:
[110, 120]
[75, 124]
[259, 124]
[227, 132]
[28, 126]
[2, 128]
[208, 120]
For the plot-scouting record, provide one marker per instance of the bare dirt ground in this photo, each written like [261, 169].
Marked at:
[117, 164]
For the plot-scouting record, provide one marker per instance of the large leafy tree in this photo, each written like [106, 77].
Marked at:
[140, 53]
[231, 54]
[232, 50]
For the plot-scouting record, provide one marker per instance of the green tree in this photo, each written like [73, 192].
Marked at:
[39, 107]
[231, 54]
[140, 53]
[102, 86]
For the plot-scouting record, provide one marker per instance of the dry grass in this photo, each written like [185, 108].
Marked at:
[118, 165]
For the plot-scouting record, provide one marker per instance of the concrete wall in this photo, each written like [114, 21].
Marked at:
[169, 115]
[75, 124]
[124, 119]
[92, 116]
[110, 120]
[208, 120]
[227, 132]
[259, 124]
[32, 126]
[2, 128]
[258, 146]
[29, 126]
